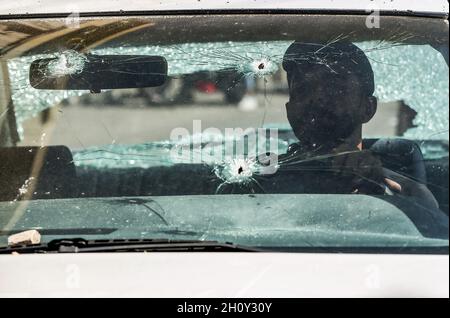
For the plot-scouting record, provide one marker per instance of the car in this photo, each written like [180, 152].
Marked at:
[183, 90]
[330, 178]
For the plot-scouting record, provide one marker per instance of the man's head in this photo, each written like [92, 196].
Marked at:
[330, 91]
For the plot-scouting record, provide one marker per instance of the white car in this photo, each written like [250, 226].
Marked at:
[329, 178]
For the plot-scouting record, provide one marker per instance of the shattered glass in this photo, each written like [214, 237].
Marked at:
[395, 69]
[211, 150]
[123, 164]
[67, 63]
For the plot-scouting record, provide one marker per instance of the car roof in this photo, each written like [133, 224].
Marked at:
[101, 7]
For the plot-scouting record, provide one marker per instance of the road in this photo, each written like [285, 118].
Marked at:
[81, 126]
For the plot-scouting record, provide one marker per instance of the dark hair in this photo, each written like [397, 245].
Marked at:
[337, 57]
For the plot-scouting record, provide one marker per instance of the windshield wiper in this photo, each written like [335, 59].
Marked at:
[79, 245]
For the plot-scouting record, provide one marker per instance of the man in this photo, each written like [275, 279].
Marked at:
[330, 94]
[331, 89]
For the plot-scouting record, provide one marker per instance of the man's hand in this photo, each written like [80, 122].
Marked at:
[360, 170]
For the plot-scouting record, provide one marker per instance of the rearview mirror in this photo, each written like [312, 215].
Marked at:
[76, 71]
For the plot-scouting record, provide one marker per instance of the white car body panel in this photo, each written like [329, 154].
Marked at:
[224, 275]
[56, 6]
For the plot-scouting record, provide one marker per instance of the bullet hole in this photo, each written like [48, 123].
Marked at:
[258, 67]
[237, 170]
[67, 63]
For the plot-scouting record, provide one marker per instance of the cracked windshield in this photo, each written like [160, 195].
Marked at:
[272, 132]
